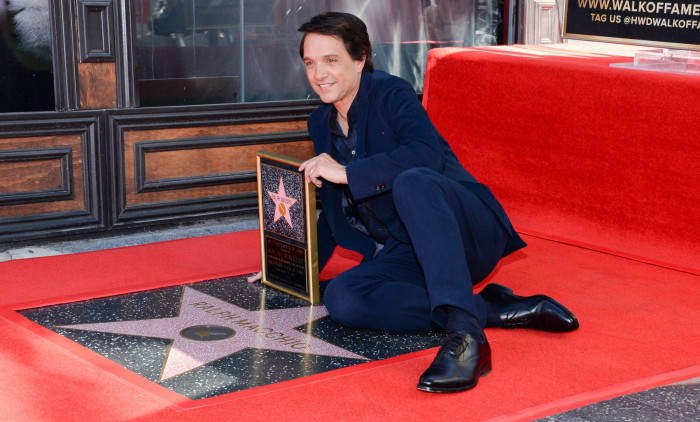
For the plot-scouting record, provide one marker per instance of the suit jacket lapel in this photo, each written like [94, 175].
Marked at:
[323, 142]
[362, 113]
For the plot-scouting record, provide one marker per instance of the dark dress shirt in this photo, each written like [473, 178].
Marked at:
[358, 213]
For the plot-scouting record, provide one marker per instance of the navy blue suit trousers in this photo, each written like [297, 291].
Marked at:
[456, 240]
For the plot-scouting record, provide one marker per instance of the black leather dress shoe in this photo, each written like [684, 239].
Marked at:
[458, 365]
[537, 312]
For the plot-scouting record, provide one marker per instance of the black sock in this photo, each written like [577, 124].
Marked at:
[493, 317]
[459, 320]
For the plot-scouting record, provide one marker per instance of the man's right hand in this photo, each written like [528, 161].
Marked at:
[323, 166]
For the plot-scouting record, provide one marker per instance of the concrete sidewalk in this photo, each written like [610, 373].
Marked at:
[108, 240]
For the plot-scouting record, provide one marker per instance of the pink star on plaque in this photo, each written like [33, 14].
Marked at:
[208, 328]
[282, 204]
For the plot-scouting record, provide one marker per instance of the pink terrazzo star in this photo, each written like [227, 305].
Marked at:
[283, 203]
[216, 328]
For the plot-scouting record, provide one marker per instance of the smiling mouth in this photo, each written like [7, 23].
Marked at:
[325, 86]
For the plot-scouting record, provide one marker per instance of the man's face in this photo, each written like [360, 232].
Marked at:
[332, 73]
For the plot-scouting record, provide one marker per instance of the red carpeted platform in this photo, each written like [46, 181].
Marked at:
[598, 168]
[577, 151]
[631, 338]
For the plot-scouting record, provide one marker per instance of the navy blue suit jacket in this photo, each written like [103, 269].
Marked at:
[394, 133]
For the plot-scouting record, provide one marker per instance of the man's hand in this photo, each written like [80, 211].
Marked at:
[323, 167]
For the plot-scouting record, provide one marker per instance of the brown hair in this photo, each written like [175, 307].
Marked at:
[349, 28]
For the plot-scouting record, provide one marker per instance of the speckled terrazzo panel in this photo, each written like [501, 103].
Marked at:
[215, 337]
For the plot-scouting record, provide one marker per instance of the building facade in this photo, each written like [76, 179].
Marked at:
[123, 113]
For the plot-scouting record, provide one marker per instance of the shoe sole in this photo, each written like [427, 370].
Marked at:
[482, 373]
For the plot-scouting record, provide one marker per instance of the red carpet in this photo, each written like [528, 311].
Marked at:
[638, 330]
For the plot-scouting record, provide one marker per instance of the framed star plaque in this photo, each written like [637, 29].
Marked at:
[287, 210]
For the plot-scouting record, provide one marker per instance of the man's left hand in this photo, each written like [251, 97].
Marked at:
[323, 167]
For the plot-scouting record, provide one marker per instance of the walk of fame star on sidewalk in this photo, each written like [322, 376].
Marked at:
[208, 328]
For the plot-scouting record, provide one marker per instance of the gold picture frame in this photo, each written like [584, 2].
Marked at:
[287, 215]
